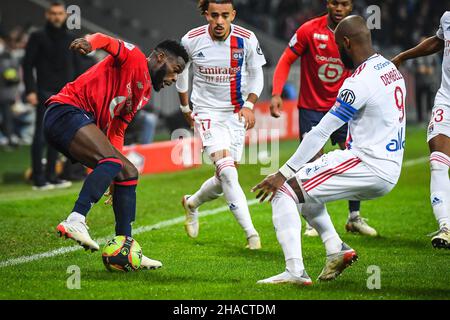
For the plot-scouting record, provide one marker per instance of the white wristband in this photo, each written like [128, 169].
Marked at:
[248, 104]
[185, 109]
[286, 171]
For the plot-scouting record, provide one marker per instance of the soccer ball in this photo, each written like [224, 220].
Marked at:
[122, 254]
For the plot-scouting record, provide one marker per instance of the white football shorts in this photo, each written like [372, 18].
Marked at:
[440, 122]
[339, 175]
[220, 131]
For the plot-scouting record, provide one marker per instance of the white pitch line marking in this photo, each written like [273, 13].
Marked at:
[143, 229]
[413, 162]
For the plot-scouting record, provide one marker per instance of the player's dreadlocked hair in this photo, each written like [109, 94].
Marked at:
[204, 4]
[173, 47]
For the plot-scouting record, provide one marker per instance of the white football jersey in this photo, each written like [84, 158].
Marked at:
[220, 67]
[443, 95]
[372, 100]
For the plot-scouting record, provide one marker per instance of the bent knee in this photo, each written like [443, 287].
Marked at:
[129, 171]
[226, 170]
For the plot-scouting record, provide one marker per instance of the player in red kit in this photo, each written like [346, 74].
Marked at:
[87, 120]
[322, 75]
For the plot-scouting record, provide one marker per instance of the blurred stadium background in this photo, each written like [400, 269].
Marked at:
[403, 24]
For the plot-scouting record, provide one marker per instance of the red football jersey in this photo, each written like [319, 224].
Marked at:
[322, 71]
[113, 91]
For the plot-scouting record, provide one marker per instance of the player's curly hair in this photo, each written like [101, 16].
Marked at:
[173, 47]
[204, 4]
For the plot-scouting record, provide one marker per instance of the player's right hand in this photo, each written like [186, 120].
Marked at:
[189, 120]
[276, 106]
[82, 46]
[269, 186]
[32, 99]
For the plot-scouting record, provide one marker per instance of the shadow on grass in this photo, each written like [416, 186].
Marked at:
[13, 178]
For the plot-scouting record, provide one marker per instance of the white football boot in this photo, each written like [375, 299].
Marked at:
[254, 242]
[77, 231]
[288, 277]
[310, 231]
[336, 263]
[359, 225]
[149, 264]
[191, 224]
[441, 239]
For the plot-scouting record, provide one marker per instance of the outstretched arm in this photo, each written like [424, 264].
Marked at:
[104, 42]
[94, 42]
[309, 147]
[427, 47]
[341, 113]
[282, 71]
[279, 80]
[314, 141]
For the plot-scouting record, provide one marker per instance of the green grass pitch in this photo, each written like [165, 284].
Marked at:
[216, 265]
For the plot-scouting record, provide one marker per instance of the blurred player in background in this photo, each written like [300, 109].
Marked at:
[87, 120]
[228, 79]
[372, 101]
[438, 130]
[48, 65]
[322, 74]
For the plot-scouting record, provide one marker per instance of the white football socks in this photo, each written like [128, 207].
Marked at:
[352, 215]
[318, 217]
[210, 190]
[440, 188]
[295, 267]
[286, 220]
[234, 195]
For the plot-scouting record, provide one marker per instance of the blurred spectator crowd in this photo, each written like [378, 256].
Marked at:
[16, 117]
[403, 23]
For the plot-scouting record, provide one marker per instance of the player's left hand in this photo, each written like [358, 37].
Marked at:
[249, 117]
[81, 45]
[269, 185]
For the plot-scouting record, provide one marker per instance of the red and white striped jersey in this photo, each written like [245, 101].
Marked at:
[221, 67]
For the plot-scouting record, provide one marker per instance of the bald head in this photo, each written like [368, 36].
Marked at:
[353, 27]
[354, 40]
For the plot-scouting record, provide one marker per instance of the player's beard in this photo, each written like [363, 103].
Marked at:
[158, 77]
[346, 59]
